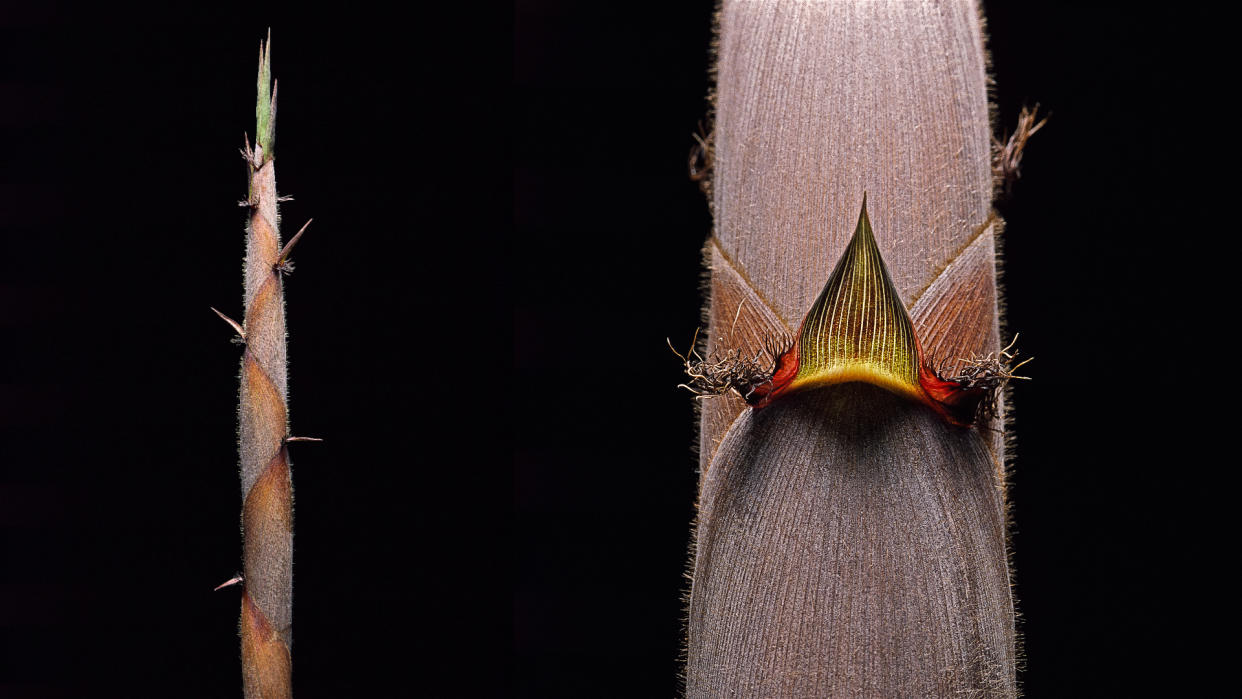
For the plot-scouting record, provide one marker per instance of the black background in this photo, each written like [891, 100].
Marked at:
[504, 237]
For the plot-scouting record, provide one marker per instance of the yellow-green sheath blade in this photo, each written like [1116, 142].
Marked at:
[858, 329]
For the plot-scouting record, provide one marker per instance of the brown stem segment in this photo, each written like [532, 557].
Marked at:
[267, 487]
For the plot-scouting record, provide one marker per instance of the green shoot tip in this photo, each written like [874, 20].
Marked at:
[265, 109]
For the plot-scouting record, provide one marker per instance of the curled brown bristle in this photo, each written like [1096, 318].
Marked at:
[733, 369]
[983, 379]
[1007, 152]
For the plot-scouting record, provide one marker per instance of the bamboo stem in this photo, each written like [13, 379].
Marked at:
[267, 487]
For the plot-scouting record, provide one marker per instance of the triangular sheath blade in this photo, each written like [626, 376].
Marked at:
[858, 329]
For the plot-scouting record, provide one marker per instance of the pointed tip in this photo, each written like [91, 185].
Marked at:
[285, 251]
[227, 583]
[237, 327]
[864, 222]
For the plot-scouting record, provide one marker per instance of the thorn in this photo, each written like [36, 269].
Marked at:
[282, 262]
[231, 581]
[288, 248]
[302, 439]
[284, 197]
[241, 332]
[245, 204]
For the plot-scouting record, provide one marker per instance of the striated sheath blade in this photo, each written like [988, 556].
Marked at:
[858, 327]
[857, 330]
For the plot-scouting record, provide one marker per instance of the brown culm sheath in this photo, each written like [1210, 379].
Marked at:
[851, 541]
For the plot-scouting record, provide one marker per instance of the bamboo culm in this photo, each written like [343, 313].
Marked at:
[267, 486]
